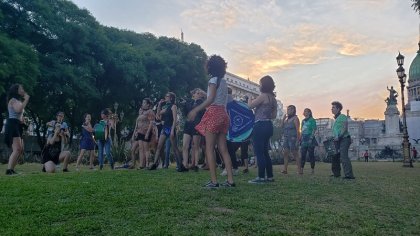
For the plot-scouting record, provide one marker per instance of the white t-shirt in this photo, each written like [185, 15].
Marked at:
[221, 92]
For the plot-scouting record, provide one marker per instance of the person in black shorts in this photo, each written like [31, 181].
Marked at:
[143, 131]
[17, 99]
[191, 137]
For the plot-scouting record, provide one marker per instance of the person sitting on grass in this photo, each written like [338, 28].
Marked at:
[52, 154]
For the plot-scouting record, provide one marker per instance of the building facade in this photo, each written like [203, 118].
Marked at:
[377, 135]
[413, 103]
[242, 88]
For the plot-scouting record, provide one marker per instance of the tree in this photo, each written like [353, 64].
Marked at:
[69, 62]
[416, 5]
[18, 64]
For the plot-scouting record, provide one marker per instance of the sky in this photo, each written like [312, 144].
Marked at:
[316, 51]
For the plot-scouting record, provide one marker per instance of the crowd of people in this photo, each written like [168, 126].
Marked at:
[205, 130]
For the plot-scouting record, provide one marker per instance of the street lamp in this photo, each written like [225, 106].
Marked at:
[405, 144]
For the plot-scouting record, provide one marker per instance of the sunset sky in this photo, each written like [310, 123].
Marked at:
[317, 51]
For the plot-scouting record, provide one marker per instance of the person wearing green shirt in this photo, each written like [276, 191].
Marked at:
[308, 141]
[342, 143]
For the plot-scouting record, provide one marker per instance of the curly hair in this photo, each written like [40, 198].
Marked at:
[216, 66]
[267, 85]
[14, 92]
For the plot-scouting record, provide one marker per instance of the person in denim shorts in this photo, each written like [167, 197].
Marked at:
[291, 136]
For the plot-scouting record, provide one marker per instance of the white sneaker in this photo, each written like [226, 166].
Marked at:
[224, 172]
[235, 172]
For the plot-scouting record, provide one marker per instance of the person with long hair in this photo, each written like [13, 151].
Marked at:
[191, 136]
[17, 99]
[143, 131]
[215, 123]
[265, 106]
[87, 143]
[291, 136]
[169, 118]
[307, 139]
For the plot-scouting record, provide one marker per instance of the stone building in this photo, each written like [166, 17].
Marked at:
[413, 103]
[244, 87]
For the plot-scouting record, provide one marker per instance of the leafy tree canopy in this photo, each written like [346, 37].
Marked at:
[69, 62]
[416, 5]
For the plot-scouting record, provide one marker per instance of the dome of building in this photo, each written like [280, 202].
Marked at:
[414, 72]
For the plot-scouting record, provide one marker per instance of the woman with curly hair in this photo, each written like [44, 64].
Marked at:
[17, 99]
[215, 123]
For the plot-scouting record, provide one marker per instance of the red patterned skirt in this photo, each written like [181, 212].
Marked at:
[215, 120]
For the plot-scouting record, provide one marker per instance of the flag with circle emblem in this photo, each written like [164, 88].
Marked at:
[241, 121]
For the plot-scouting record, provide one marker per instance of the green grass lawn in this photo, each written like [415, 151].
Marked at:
[383, 200]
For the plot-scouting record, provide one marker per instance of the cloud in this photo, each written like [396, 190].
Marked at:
[308, 44]
[263, 37]
[211, 16]
[219, 16]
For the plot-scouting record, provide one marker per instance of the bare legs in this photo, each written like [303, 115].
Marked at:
[91, 158]
[144, 154]
[296, 156]
[17, 150]
[160, 145]
[186, 140]
[195, 149]
[220, 139]
[134, 149]
[64, 158]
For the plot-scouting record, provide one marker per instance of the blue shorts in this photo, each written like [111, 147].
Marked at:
[166, 130]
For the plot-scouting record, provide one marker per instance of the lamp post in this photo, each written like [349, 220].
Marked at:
[405, 144]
